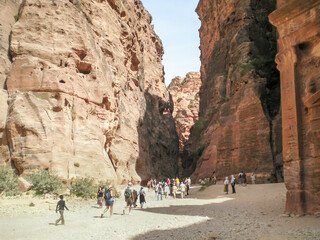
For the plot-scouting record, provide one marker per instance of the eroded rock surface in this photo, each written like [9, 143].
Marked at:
[85, 89]
[239, 126]
[185, 96]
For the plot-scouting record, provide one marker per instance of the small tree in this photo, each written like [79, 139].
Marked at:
[84, 187]
[45, 181]
[9, 183]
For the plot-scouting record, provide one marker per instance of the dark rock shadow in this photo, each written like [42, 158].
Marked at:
[158, 140]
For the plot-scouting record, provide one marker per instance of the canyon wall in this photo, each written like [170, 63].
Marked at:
[83, 91]
[298, 24]
[239, 125]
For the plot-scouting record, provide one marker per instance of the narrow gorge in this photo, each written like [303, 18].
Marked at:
[82, 94]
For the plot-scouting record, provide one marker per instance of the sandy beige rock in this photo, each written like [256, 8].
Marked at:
[84, 74]
[185, 96]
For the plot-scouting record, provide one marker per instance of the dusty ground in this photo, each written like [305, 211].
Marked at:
[254, 212]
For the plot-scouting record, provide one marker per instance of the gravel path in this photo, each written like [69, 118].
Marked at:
[254, 212]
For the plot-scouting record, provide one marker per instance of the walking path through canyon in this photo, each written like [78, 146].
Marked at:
[254, 212]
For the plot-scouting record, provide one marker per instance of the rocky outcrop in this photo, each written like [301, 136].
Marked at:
[239, 126]
[85, 87]
[185, 96]
[298, 24]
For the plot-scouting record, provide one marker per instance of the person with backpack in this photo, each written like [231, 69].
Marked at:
[109, 199]
[61, 205]
[129, 198]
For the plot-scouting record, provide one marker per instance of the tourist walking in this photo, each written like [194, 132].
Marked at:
[183, 189]
[244, 176]
[174, 190]
[100, 196]
[142, 197]
[128, 197]
[159, 190]
[109, 199]
[149, 185]
[253, 178]
[233, 184]
[61, 205]
[240, 178]
[166, 190]
[226, 185]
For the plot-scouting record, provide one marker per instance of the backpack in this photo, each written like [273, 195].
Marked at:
[127, 193]
[107, 195]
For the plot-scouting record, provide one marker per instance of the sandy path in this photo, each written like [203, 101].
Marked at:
[255, 212]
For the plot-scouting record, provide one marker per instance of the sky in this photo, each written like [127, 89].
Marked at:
[177, 25]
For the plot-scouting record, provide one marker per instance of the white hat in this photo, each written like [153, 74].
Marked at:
[130, 183]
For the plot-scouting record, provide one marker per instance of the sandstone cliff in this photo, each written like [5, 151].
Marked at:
[85, 88]
[185, 96]
[239, 126]
[298, 59]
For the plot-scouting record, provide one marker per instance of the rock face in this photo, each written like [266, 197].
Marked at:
[185, 96]
[298, 24]
[86, 92]
[239, 126]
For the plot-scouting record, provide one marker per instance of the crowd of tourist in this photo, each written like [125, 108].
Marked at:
[165, 187]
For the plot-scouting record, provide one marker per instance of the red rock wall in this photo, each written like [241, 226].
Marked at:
[84, 86]
[298, 24]
[239, 121]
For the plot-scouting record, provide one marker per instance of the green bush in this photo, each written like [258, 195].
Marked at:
[44, 182]
[84, 187]
[179, 99]
[199, 126]
[9, 183]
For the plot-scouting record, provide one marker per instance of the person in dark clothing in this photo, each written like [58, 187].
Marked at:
[61, 205]
[142, 196]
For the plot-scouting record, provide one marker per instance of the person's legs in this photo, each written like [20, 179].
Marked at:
[59, 219]
[111, 210]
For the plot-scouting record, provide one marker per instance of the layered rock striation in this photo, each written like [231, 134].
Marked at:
[298, 24]
[86, 95]
[239, 126]
[185, 96]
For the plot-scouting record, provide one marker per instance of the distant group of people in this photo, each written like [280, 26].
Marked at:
[170, 187]
[242, 181]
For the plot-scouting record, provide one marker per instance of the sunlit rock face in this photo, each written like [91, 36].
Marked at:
[84, 91]
[298, 60]
[185, 96]
[239, 126]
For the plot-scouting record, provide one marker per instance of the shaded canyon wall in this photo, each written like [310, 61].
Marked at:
[298, 24]
[239, 126]
[83, 91]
